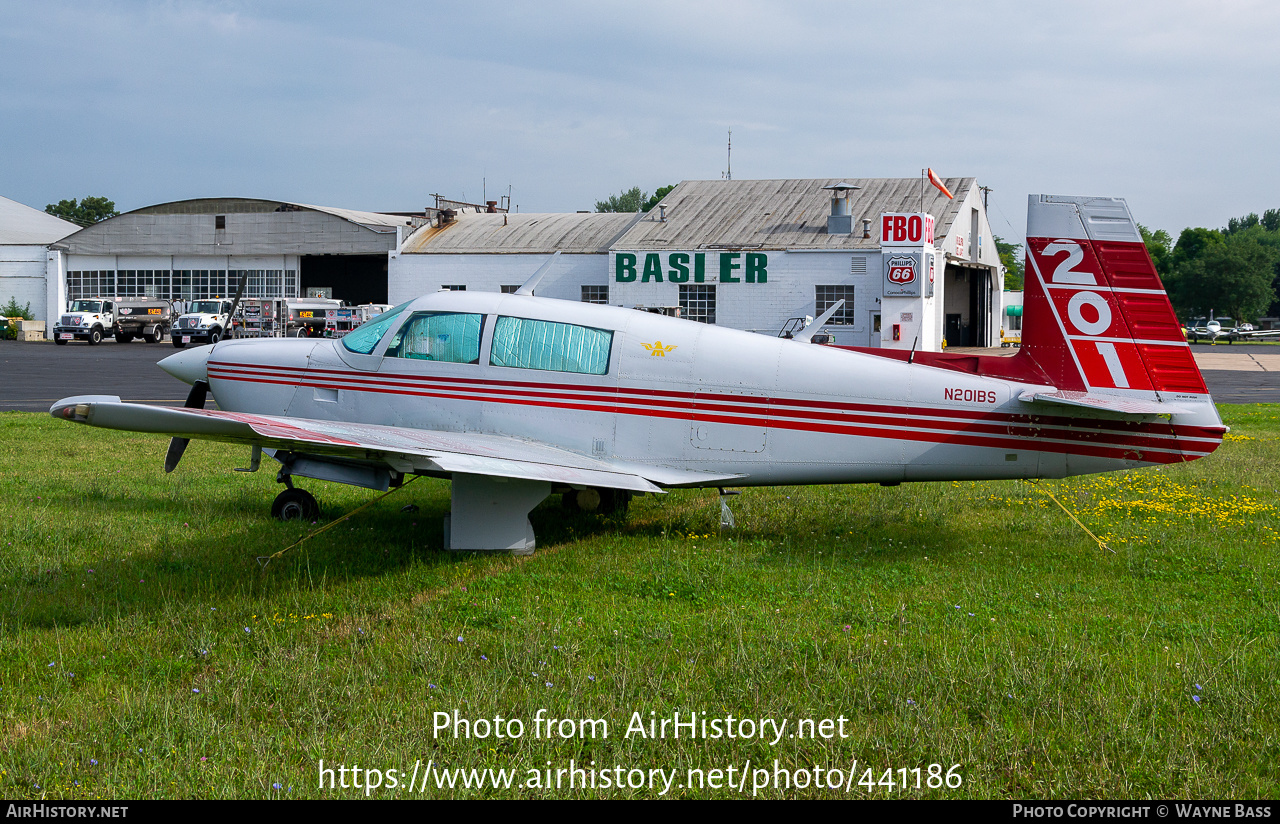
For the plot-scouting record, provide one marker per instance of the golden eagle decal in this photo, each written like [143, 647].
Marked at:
[657, 349]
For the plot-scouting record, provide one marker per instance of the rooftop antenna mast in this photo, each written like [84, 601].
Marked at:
[728, 175]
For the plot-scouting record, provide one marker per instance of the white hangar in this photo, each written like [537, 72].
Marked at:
[193, 249]
[25, 235]
[913, 267]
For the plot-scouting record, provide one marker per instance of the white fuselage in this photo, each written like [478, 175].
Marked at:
[688, 395]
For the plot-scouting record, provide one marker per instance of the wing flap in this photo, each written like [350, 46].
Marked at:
[500, 467]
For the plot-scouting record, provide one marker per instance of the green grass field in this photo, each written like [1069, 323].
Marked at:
[968, 631]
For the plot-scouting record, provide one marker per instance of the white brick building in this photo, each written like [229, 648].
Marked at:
[749, 254]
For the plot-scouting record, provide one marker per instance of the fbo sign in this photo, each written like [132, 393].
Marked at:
[906, 229]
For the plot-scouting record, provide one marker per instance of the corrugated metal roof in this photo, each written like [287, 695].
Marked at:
[251, 205]
[23, 226]
[784, 214]
[370, 220]
[578, 233]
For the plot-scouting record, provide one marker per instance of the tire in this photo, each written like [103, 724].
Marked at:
[215, 335]
[597, 501]
[59, 341]
[301, 333]
[177, 343]
[295, 505]
[614, 501]
[95, 336]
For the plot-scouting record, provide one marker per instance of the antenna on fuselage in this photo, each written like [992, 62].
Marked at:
[526, 288]
[806, 334]
[912, 357]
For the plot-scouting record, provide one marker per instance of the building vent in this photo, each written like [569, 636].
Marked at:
[840, 222]
[858, 266]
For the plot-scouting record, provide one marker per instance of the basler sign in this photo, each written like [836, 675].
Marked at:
[691, 267]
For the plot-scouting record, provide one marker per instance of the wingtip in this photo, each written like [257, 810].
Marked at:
[76, 408]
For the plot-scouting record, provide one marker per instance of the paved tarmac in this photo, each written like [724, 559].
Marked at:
[34, 375]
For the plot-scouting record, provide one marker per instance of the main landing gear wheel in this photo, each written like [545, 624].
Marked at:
[598, 501]
[295, 505]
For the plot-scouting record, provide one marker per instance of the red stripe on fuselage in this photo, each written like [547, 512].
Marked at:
[1160, 443]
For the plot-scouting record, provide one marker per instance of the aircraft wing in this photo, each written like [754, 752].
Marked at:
[398, 448]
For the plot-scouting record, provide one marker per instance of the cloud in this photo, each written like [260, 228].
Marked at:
[1168, 104]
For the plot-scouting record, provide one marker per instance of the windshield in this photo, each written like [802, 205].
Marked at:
[86, 306]
[206, 307]
[363, 340]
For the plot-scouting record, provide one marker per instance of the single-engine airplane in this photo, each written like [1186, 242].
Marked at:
[513, 397]
[1215, 329]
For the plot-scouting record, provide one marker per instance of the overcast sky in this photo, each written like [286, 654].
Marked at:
[1172, 105]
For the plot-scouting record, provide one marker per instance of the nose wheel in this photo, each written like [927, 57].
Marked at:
[295, 505]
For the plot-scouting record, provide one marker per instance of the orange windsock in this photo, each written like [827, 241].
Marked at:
[936, 181]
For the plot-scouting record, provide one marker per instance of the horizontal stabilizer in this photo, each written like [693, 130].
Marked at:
[1104, 403]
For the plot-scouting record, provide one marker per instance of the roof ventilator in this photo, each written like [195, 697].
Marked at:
[840, 221]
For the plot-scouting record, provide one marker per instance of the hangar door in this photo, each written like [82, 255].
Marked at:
[355, 279]
[967, 304]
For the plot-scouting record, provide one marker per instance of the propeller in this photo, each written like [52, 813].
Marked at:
[235, 304]
[195, 400]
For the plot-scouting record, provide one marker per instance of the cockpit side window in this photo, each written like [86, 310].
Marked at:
[364, 339]
[452, 337]
[556, 347]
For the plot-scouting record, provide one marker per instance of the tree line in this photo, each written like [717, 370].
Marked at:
[633, 200]
[1233, 271]
[86, 212]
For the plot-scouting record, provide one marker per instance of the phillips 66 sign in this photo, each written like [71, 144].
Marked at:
[908, 274]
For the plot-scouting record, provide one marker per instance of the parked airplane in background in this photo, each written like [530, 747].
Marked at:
[514, 397]
[1216, 329]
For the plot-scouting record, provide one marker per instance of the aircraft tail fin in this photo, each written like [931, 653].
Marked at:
[1100, 320]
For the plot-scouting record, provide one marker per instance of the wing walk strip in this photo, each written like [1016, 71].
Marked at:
[1160, 443]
